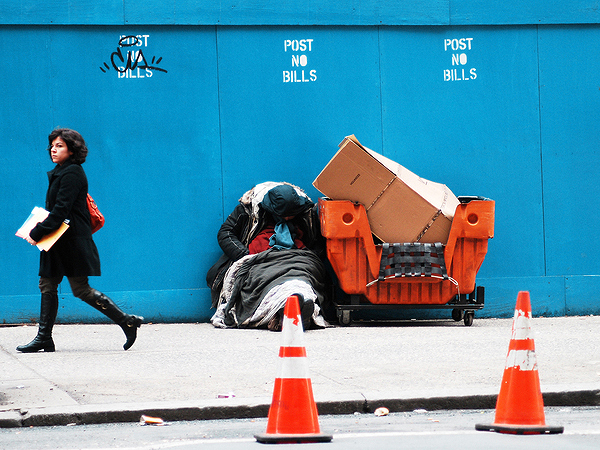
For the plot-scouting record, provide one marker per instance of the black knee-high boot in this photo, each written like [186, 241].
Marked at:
[128, 322]
[43, 340]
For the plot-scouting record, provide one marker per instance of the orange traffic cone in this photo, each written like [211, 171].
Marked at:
[293, 416]
[520, 407]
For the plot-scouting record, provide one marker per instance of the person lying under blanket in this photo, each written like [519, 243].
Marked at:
[272, 248]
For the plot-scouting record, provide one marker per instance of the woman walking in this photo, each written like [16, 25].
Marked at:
[75, 254]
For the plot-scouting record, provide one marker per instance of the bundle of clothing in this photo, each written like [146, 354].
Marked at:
[272, 250]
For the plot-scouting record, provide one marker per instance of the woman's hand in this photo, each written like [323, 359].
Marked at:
[31, 241]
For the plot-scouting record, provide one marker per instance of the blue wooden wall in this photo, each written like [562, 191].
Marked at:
[491, 99]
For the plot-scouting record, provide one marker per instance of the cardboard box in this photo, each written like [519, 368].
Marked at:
[401, 206]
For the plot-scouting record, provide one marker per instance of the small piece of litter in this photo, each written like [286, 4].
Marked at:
[228, 395]
[383, 411]
[149, 420]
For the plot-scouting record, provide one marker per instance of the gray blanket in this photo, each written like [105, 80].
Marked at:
[258, 274]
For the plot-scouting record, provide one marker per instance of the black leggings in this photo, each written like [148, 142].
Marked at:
[79, 285]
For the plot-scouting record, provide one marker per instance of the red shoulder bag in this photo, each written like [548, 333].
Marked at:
[97, 219]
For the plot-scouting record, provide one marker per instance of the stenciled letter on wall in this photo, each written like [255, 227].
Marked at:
[129, 60]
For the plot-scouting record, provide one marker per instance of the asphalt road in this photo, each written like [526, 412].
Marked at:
[421, 429]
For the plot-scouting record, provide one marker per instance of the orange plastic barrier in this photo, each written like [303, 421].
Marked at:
[356, 259]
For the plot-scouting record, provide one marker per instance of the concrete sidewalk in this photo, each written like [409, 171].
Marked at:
[183, 371]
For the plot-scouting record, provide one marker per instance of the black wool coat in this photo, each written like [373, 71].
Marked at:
[75, 253]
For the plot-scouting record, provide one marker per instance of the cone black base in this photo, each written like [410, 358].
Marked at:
[292, 438]
[519, 429]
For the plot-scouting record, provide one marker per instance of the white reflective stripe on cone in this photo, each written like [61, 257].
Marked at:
[521, 326]
[521, 359]
[291, 367]
[292, 330]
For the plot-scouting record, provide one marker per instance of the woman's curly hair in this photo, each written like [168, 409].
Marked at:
[74, 141]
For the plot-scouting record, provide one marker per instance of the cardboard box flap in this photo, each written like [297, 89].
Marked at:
[353, 174]
[447, 201]
[392, 166]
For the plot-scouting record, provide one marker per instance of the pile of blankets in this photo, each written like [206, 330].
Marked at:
[256, 287]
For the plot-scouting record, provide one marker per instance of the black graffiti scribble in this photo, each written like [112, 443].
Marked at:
[133, 62]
